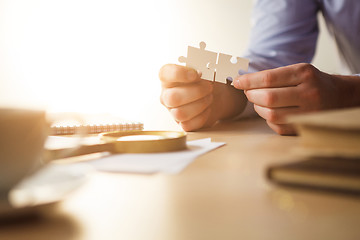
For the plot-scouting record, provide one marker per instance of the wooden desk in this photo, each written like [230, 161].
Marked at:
[222, 195]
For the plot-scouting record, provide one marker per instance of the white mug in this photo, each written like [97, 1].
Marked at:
[22, 137]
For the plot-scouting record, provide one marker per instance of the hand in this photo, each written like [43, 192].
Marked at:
[294, 89]
[194, 102]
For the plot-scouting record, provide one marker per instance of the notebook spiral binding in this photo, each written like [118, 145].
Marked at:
[94, 129]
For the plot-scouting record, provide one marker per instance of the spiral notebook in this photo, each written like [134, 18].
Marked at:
[93, 124]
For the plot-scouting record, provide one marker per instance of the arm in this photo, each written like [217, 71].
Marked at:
[284, 32]
[289, 38]
[278, 28]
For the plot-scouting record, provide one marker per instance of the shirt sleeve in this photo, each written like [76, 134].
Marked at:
[283, 32]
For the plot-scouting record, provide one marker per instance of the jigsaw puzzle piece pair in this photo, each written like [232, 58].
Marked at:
[214, 66]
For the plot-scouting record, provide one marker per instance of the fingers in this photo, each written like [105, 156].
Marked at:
[172, 75]
[185, 94]
[197, 122]
[274, 97]
[282, 129]
[280, 92]
[273, 78]
[276, 118]
[276, 115]
[189, 111]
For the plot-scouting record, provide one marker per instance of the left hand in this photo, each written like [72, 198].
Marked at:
[293, 89]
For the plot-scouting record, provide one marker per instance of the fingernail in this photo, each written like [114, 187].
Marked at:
[191, 75]
[236, 82]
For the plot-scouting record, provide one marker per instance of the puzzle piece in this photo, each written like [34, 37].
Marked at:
[201, 60]
[226, 69]
[213, 66]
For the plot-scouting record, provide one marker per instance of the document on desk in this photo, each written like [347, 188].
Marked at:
[168, 162]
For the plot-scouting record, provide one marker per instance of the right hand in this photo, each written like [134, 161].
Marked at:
[186, 96]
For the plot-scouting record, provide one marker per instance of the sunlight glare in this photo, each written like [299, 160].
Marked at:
[81, 55]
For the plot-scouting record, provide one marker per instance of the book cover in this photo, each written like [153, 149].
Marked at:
[330, 173]
[329, 133]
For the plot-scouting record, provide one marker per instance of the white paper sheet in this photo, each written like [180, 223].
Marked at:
[169, 162]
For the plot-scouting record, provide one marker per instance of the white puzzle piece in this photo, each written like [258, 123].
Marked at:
[225, 69]
[213, 66]
[201, 60]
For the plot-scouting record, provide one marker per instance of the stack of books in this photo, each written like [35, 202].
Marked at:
[330, 152]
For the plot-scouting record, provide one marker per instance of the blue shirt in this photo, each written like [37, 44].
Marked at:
[285, 32]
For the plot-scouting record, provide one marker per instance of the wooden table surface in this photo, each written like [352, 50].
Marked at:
[221, 195]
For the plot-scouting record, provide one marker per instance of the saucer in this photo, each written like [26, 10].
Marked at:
[46, 187]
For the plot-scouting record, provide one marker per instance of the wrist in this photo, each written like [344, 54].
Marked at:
[228, 101]
[349, 87]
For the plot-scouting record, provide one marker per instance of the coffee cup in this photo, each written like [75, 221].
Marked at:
[22, 136]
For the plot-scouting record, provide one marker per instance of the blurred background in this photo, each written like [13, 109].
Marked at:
[103, 56]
